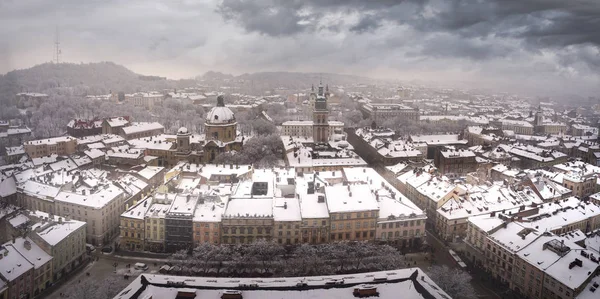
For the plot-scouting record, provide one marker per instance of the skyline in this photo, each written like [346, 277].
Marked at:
[519, 46]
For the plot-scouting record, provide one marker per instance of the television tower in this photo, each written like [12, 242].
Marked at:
[57, 50]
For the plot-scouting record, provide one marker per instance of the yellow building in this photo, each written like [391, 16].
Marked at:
[353, 211]
[155, 221]
[132, 228]
[62, 146]
[287, 221]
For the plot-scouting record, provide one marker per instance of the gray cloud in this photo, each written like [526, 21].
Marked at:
[367, 23]
[546, 43]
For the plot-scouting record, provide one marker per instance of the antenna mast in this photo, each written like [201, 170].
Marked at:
[57, 51]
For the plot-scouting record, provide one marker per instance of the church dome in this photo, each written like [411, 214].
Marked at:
[220, 114]
[182, 130]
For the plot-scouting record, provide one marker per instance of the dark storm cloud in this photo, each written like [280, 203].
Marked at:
[543, 23]
[367, 23]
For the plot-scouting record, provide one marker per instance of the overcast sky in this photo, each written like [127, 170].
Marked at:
[515, 44]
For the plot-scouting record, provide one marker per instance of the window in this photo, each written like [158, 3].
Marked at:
[384, 226]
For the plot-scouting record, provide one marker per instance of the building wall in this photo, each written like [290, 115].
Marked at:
[67, 253]
[458, 164]
[178, 233]
[207, 232]
[451, 229]
[581, 188]
[355, 226]
[297, 130]
[103, 223]
[287, 232]
[155, 233]
[30, 202]
[224, 133]
[315, 230]
[133, 233]
[21, 286]
[39, 148]
[143, 134]
[246, 230]
[403, 232]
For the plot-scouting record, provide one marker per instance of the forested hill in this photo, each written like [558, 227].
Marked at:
[78, 79]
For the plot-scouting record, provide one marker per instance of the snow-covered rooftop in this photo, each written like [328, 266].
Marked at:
[350, 198]
[400, 281]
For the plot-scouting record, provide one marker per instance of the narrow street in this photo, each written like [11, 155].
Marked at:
[441, 256]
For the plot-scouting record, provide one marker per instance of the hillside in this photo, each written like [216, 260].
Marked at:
[78, 79]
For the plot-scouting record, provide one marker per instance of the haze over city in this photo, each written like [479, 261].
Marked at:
[240, 149]
[543, 47]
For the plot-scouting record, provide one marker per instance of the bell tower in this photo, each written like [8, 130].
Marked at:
[321, 118]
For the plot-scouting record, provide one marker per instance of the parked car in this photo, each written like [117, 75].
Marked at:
[107, 249]
[90, 248]
[140, 266]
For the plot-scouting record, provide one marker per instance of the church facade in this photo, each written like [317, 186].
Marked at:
[320, 129]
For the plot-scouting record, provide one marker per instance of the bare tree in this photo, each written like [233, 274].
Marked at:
[97, 289]
[456, 282]
[265, 254]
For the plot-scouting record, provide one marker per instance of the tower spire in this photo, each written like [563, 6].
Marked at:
[57, 51]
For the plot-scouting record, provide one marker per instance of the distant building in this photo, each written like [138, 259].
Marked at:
[114, 125]
[146, 100]
[44, 147]
[80, 128]
[380, 112]
[30, 99]
[14, 135]
[381, 146]
[455, 161]
[221, 131]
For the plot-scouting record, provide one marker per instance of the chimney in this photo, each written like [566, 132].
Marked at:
[60, 220]
[321, 198]
[27, 245]
[285, 205]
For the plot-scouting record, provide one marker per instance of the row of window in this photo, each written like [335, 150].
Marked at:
[357, 235]
[249, 230]
[349, 225]
[358, 215]
[399, 224]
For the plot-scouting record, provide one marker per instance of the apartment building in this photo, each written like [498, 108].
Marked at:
[100, 206]
[63, 146]
[62, 238]
[381, 111]
[179, 222]
[155, 221]
[531, 249]
[455, 161]
[207, 222]
[353, 211]
[452, 218]
[286, 221]
[26, 268]
[133, 228]
[579, 177]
